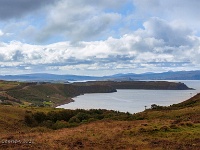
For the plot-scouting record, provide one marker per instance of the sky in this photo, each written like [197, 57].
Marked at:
[99, 37]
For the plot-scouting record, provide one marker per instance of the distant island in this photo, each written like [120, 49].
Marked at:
[54, 94]
[146, 85]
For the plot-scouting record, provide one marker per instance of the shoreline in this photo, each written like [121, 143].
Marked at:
[66, 101]
[173, 102]
[70, 99]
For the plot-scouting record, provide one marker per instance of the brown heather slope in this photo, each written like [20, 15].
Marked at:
[175, 127]
[140, 134]
[55, 94]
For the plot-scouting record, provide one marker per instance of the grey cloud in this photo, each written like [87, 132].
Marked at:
[101, 4]
[18, 56]
[79, 20]
[2, 57]
[17, 8]
[174, 36]
[168, 7]
[80, 30]
[95, 26]
[186, 11]
[72, 61]
[119, 58]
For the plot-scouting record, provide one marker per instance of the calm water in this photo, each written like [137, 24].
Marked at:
[133, 100]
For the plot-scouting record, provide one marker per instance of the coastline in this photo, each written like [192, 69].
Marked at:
[66, 101]
[129, 105]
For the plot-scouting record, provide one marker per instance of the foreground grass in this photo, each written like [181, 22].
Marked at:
[109, 135]
[175, 127]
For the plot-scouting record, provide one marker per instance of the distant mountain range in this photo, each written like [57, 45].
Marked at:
[170, 75]
[179, 75]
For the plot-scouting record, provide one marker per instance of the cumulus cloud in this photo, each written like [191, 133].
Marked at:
[173, 35]
[99, 35]
[148, 48]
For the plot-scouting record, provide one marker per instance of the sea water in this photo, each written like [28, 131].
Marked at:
[133, 101]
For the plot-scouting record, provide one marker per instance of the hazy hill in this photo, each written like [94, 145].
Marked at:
[46, 77]
[179, 75]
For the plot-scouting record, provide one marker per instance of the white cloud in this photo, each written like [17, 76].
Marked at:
[1, 33]
[144, 49]
[101, 35]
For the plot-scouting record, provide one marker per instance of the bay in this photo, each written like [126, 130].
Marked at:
[133, 101]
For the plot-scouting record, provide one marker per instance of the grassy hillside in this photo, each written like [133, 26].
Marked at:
[38, 94]
[49, 94]
[174, 127]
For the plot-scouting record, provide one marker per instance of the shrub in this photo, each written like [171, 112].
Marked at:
[82, 116]
[74, 120]
[66, 114]
[53, 116]
[47, 123]
[39, 116]
[60, 124]
[30, 121]
[69, 118]
[157, 107]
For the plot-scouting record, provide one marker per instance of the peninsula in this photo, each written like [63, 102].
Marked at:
[54, 94]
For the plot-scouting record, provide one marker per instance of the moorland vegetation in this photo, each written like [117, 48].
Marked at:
[173, 127]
